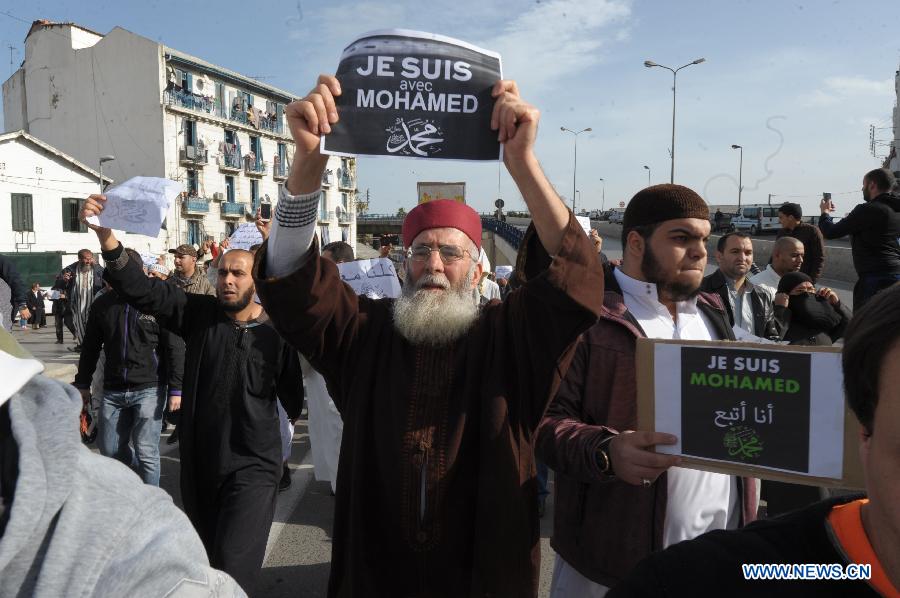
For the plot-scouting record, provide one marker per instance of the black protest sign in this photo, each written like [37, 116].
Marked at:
[748, 407]
[405, 93]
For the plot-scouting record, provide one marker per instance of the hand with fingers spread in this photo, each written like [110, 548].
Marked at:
[308, 119]
[633, 460]
[93, 206]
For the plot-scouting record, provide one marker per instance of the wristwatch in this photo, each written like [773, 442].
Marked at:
[604, 461]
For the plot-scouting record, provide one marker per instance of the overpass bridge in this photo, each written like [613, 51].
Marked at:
[500, 240]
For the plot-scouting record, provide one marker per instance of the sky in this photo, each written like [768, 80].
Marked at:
[797, 84]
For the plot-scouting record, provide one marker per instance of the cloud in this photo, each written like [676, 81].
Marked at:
[838, 89]
[559, 38]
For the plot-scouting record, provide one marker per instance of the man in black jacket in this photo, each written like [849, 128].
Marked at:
[132, 406]
[750, 308]
[236, 368]
[874, 229]
[838, 533]
[790, 215]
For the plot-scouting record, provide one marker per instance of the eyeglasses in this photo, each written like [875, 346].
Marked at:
[448, 253]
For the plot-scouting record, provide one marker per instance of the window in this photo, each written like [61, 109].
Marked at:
[323, 208]
[22, 215]
[324, 237]
[192, 187]
[190, 133]
[345, 201]
[71, 223]
[254, 194]
[229, 228]
[229, 189]
[194, 232]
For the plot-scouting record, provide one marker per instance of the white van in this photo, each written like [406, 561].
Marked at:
[756, 219]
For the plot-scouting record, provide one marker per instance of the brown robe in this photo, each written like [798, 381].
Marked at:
[451, 426]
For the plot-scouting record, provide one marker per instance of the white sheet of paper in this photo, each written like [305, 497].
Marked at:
[139, 205]
[374, 278]
[245, 236]
[503, 271]
[585, 223]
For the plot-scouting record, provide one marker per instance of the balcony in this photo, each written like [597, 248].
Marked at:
[232, 209]
[192, 101]
[346, 182]
[198, 206]
[193, 155]
[255, 167]
[279, 170]
[230, 162]
[345, 217]
[325, 216]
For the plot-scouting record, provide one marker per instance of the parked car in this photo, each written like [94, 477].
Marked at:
[756, 219]
[616, 217]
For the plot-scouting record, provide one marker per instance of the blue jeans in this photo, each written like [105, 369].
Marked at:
[542, 475]
[136, 416]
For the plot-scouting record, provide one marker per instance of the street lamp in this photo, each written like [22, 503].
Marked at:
[740, 172]
[603, 201]
[648, 174]
[575, 162]
[102, 160]
[651, 64]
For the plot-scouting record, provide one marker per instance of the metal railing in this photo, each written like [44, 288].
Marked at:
[279, 170]
[207, 105]
[507, 232]
[194, 154]
[345, 217]
[346, 182]
[195, 205]
[230, 160]
[230, 209]
[256, 167]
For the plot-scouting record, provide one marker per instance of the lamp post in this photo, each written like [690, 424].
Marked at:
[575, 161]
[651, 64]
[603, 201]
[740, 172]
[648, 174]
[102, 160]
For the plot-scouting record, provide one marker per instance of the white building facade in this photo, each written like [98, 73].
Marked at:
[41, 192]
[164, 113]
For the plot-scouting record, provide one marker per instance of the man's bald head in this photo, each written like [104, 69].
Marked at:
[234, 286]
[787, 255]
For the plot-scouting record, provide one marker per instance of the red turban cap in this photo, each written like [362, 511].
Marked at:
[441, 213]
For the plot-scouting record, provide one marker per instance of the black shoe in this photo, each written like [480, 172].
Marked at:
[75, 349]
[173, 437]
[59, 342]
[285, 482]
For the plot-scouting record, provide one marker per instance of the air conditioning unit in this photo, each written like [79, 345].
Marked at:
[218, 196]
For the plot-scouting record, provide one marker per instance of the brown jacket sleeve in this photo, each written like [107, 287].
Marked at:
[815, 255]
[565, 442]
[540, 322]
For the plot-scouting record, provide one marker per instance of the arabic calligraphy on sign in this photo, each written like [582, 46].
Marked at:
[742, 442]
[417, 137]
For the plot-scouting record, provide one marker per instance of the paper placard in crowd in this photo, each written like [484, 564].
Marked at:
[767, 411]
[139, 205]
[245, 236]
[503, 271]
[375, 278]
[413, 94]
[585, 223]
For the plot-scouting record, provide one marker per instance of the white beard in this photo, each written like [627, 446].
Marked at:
[435, 317]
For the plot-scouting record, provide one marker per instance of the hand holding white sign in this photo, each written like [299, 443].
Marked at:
[309, 119]
[138, 205]
[634, 462]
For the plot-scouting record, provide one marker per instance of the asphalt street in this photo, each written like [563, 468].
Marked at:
[299, 547]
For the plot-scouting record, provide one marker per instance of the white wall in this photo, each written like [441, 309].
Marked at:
[57, 179]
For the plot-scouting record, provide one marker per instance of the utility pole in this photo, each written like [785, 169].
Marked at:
[12, 49]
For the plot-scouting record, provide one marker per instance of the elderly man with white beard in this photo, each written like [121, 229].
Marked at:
[436, 490]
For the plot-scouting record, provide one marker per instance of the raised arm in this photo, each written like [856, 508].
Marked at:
[150, 296]
[516, 122]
